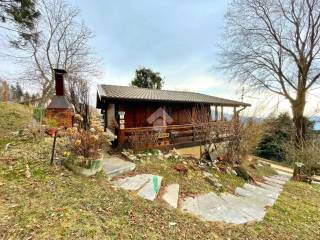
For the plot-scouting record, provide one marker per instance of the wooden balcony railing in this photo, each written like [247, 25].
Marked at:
[174, 135]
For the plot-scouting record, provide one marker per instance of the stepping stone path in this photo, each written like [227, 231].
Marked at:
[247, 205]
[146, 185]
[115, 166]
[171, 195]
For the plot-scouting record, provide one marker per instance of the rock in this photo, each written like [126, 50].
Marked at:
[207, 174]
[181, 168]
[214, 182]
[160, 156]
[133, 183]
[171, 195]
[241, 172]
[132, 158]
[6, 148]
[141, 155]
[151, 189]
[228, 170]
[172, 224]
[114, 166]
[213, 156]
[234, 172]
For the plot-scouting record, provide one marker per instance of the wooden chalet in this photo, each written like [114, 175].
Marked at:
[149, 118]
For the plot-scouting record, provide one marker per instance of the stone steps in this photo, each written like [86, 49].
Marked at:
[247, 205]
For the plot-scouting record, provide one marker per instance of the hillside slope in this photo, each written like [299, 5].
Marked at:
[39, 201]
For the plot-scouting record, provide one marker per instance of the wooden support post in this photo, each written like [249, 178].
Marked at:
[122, 137]
[235, 117]
[216, 113]
[106, 118]
[222, 117]
[164, 116]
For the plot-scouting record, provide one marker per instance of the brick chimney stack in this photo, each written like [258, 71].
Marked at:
[58, 75]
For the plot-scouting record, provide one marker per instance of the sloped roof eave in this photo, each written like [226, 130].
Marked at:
[124, 93]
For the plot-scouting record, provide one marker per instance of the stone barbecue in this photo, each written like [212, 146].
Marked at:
[60, 109]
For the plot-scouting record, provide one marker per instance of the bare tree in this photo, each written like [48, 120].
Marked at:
[274, 45]
[63, 42]
[78, 89]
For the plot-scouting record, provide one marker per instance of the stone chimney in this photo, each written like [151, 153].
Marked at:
[60, 109]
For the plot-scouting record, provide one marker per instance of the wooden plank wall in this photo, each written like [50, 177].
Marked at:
[137, 113]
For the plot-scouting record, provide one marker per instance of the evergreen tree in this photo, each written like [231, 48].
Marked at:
[27, 98]
[13, 93]
[19, 92]
[280, 131]
[146, 78]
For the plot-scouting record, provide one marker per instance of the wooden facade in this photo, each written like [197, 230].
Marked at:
[148, 123]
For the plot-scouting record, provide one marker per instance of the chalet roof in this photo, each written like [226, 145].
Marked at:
[113, 92]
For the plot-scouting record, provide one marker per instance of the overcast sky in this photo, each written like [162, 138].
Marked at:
[177, 38]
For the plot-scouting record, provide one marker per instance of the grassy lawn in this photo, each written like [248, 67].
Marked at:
[55, 204]
[194, 182]
[191, 183]
[13, 117]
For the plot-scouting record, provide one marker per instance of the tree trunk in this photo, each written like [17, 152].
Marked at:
[299, 121]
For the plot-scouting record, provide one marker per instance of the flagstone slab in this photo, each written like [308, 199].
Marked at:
[211, 207]
[115, 166]
[251, 208]
[273, 184]
[151, 189]
[264, 200]
[278, 188]
[280, 182]
[281, 177]
[133, 183]
[171, 195]
[261, 191]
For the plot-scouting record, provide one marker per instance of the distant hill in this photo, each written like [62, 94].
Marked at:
[316, 119]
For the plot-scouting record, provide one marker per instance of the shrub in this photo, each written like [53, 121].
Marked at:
[39, 113]
[308, 154]
[279, 132]
[82, 146]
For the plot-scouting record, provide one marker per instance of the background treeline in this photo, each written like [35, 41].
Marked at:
[277, 142]
[15, 93]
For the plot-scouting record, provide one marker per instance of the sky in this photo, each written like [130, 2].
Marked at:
[177, 38]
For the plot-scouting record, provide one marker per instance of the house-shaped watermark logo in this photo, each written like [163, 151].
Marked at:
[160, 119]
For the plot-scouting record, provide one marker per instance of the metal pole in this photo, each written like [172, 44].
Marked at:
[53, 147]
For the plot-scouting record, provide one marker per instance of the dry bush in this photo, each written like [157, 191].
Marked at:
[82, 146]
[308, 154]
[242, 138]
